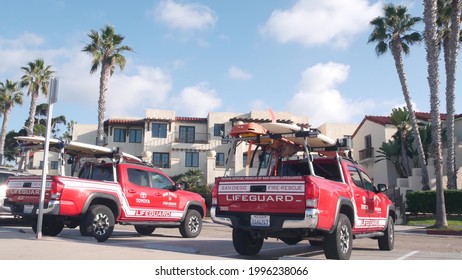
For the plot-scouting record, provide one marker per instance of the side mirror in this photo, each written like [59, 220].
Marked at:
[381, 187]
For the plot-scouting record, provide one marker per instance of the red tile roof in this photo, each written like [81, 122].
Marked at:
[386, 120]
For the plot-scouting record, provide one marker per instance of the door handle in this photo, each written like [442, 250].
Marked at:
[158, 194]
[131, 191]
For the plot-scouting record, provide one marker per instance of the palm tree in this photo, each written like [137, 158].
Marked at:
[106, 50]
[432, 47]
[394, 31]
[391, 151]
[36, 78]
[448, 23]
[10, 95]
[400, 118]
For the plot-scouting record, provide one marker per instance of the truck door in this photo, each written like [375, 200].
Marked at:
[378, 208]
[363, 198]
[166, 201]
[139, 194]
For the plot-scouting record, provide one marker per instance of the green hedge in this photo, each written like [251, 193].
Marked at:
[425, 202]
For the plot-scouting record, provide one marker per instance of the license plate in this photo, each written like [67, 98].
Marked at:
[28, 209]
[260, 220]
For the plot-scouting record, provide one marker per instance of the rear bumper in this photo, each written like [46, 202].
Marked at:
[52, 208]
[309, 221]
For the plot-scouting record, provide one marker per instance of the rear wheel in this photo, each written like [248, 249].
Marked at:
[338, 244]
[102, 221]
[50, 226]
[192, 224]
[245, 244]
[145, 230]
[387, 241]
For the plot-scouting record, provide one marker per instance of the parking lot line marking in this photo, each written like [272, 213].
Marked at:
[407, 255]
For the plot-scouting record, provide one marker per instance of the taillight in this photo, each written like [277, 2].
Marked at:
[311, 193]
[56, 188]
[215, 194]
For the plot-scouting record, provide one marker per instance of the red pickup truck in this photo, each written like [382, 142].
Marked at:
[123, 191]
[308, 192]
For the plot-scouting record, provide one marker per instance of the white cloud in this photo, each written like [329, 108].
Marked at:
[321, 22]
[319, 98]
[196, 101]
[184, 17]
[238, 74]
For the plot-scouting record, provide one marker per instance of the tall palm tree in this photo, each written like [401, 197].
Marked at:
[10, 95]
[432, 47]
[394, 31]
[448, 23]
[106, 50]
[37, 79]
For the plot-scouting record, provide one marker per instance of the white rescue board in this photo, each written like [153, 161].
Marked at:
[74, 148]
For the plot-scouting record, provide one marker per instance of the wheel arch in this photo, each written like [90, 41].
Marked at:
[344, 206]
[196, 206]
[108, 200]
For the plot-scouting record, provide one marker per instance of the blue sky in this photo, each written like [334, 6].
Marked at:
[309, 57]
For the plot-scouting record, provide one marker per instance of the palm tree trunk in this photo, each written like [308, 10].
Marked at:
[33, 106]
[396, 51]
[6, 116]
[451, 49]
[431, 42]
[103, 83]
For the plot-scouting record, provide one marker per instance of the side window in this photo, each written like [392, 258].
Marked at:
[367, 182]
[355, 176]
[102, 173]
[159, 181]
[138, 177]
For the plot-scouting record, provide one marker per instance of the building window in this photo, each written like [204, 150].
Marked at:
[120, 134]
[368, 141]
[54, 164]
[135, 136]
[159, 130]
[187, 134]
[192, 159]
[218, 129]
[220, 159]
[161, 160]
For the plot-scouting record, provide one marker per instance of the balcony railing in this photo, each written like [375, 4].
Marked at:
[367, 153]
[192, 138]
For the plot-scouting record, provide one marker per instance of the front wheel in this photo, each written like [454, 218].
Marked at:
[246, 244]
[338, 244]
[192, 224]
[387, 241]
[101, 222]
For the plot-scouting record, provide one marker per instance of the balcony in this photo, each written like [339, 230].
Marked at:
[366, 154]
[192, 138]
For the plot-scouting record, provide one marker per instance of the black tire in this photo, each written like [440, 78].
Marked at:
[50, 226]
[245, 244]
[85, 226]
[316, 243]
[291, 240]
[387, 241]
[191, 226]
[102, 221]
[338, 244]
[145, 230]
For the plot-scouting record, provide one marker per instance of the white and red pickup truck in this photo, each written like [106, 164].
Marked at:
[308, 191]
[122, 191]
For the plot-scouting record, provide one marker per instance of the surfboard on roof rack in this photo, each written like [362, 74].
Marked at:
[75, 148]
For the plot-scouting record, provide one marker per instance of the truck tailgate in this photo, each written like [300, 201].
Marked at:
[26, 189]
[262, 194]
